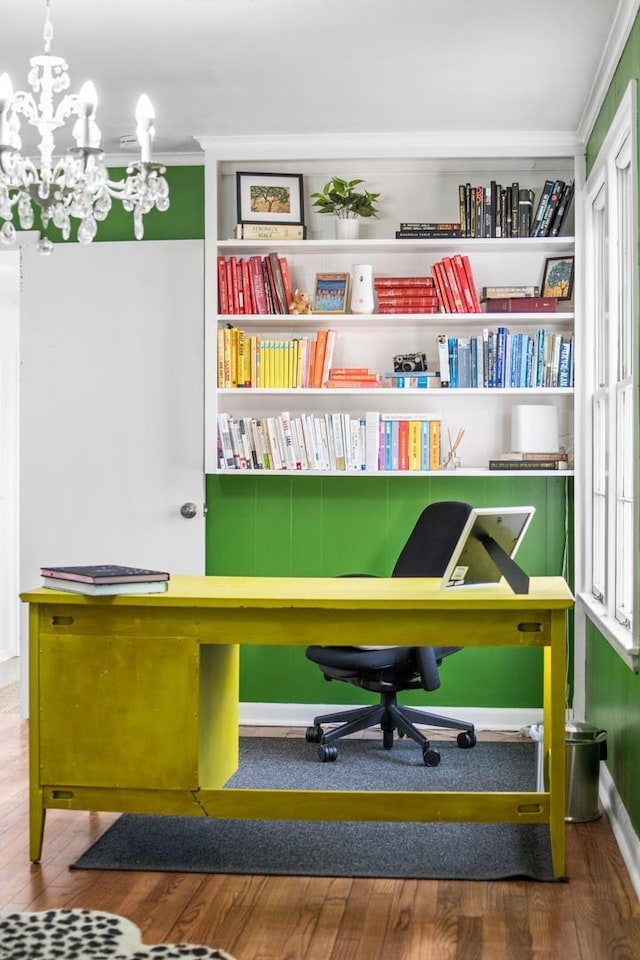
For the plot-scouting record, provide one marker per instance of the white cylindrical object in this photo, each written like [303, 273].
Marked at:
[534, 429]
[362, 288]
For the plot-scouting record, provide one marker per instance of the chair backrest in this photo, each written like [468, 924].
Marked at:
[431, 542]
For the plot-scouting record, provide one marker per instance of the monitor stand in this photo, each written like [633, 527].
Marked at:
[513, 574]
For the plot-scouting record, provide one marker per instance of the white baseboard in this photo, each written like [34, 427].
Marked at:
[626, 837]
[302, 714]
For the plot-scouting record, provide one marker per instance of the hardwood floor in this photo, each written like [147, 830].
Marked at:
[595, 916]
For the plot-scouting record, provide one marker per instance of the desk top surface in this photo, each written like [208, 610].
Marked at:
[348, 593]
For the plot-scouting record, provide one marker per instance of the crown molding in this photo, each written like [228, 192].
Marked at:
[122, 159]
[621, 27]
[442, 143]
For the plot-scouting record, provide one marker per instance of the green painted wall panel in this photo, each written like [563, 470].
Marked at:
[315, 526]
[184, 220]
[612, 690]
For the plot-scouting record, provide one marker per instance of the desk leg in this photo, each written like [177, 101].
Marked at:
[37, 815]
[554, 748]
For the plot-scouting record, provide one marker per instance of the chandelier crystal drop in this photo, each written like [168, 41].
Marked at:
[75, 185]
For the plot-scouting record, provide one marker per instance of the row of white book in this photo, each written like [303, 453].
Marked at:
[329, 442]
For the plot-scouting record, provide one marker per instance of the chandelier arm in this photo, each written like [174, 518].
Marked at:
[24, 102]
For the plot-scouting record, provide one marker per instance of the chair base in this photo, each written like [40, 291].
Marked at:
[392, 718]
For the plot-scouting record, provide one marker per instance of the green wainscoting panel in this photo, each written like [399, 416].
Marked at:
[184, 220]
[613, 699]
[328, 526]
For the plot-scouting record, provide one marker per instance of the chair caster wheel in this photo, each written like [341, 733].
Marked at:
[327, 752]
[466, 740]
[314, 734]
[387, 739]
[430, 756]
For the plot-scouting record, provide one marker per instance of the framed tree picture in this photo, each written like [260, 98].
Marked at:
[557, 279]
[270, 198]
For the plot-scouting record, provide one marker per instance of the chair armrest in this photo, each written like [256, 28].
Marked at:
[427, 667]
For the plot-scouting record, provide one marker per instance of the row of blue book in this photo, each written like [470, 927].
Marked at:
[504, 359]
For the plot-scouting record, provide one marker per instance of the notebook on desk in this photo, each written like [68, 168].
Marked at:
[486, 547]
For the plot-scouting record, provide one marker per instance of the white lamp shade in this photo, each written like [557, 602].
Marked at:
[534, 429]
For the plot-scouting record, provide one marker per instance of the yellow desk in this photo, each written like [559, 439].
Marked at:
[134, 699]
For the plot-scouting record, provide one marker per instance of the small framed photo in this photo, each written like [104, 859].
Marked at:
[331, 292]
[557, 279]
[270, 198]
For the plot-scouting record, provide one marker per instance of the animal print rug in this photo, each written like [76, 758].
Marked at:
[86, 935]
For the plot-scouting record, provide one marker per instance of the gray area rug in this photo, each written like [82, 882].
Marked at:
[323, 848]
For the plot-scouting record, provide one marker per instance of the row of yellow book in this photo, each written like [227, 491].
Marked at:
[279, 361]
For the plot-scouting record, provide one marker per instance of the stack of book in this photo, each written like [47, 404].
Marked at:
[350, 377]
[104, 580]
[498, 292]
[407, 294]
[254, 285]
[521, 304]
[270, 231]
[455, 284]
[556, 460]
[428, 231]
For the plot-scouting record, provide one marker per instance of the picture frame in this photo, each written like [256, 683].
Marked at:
[270, 197]
[331, 293]
[557, 278]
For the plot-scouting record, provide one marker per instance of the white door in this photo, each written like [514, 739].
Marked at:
[111, 396]
[9, 327]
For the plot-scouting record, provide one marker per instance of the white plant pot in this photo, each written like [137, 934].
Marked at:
[347, 228]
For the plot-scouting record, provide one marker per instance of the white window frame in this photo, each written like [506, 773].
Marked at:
[608, 508]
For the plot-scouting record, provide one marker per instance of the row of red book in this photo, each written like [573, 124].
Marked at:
[254, 285]
[455, 284]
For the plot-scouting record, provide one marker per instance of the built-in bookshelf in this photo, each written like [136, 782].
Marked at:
[417, 190]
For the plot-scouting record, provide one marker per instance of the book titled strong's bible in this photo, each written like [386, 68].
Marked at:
[102, 580]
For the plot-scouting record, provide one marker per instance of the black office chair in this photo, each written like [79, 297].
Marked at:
[389, 670]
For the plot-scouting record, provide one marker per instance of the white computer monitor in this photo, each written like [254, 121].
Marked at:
[486, 547]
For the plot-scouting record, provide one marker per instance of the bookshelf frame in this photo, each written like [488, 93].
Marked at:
[384, 164]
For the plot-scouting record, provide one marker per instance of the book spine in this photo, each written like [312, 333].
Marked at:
[523, 465]
[542, 206]
[421, 281]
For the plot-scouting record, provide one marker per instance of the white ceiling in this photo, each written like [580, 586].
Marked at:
[234, 67]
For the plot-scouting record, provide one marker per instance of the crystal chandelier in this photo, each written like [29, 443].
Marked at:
[76, 184]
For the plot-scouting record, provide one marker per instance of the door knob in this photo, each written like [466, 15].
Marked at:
[188, 510]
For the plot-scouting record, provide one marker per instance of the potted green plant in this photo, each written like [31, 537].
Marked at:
[340, 198]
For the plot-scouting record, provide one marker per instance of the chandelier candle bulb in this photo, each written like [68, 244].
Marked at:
[87, 102]
[145, 130]
[6, 95]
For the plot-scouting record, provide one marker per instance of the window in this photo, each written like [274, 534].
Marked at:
[609, 574]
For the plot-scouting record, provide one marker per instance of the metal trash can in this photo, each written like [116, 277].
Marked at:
[585, 746]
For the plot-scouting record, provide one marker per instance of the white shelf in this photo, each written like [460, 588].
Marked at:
[460, 472]
[466, 245]
[275, 321]
[393, 394]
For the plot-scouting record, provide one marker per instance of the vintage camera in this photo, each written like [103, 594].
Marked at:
[410, 363]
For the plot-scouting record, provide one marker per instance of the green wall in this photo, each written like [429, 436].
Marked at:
[184, 220]
[613, 691]
[314, 526]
